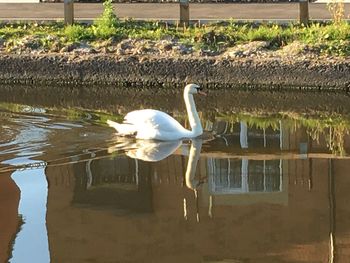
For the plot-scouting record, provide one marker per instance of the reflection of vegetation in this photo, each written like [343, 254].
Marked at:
[259, 122]
[73, 114]
[336, 139]
[20, 223]
[333, 128]
[16, 107]
[91, 116]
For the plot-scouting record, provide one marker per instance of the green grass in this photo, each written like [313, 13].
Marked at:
[328, 38]
[331, 38]
[77, 33]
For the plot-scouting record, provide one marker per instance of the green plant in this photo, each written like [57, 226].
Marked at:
[331, 39]
[105, 26]
[324, 38]
[77, 32]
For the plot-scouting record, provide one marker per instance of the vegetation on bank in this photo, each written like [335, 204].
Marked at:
[107, 31]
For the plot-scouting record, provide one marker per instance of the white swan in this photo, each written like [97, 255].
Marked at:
[156, 125]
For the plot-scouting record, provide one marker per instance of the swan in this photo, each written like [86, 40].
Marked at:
[156, 125]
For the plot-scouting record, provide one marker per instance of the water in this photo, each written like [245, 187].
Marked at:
[263, 188]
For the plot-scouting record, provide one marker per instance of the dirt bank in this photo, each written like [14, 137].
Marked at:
[213, 72]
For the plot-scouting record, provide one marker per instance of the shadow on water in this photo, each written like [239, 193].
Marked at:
[263, 188]
[116, 99]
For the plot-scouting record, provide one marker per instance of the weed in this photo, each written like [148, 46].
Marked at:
[105, 26]
[336, 7]
[77, 32]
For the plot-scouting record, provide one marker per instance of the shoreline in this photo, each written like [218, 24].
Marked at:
[213, 72]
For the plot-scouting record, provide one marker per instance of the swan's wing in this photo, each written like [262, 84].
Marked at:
[123, 128]
[153, 120]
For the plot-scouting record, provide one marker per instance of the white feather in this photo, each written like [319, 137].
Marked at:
[123, 129]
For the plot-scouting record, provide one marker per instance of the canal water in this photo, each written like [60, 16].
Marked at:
[257, 187]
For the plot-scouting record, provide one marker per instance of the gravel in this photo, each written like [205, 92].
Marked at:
[167, 62]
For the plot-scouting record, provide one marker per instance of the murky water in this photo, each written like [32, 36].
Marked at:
[257, 188]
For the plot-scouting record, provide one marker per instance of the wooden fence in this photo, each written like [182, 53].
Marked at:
[184, 7]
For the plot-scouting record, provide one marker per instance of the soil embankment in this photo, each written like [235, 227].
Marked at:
[213, 72]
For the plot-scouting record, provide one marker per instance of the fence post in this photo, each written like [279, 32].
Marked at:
[68, 12]
[304, 12]
[184, 12]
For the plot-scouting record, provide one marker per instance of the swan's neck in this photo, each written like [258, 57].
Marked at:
[193, 117]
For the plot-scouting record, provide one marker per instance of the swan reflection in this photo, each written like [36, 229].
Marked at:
[146, 150]
[213, 177]
[224, 175]
[155, 151]
[191, 181]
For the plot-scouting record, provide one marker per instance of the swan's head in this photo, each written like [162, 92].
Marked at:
[194, 89]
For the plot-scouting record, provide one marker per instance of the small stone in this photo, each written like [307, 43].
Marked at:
[82, 50]
[56, 46]
[164, 45]
[167, 47]
[93, 51]
[103, 50]
[64, 49]
[102, 44]
[125, 44]
[247, 50]
[182, 49]
[120, 51]
[111, 49]
[235, 53]
[2, 42]
[72, 46]
[52, 38]
[143, 59]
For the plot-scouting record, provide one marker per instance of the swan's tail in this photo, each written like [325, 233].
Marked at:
[122, 128]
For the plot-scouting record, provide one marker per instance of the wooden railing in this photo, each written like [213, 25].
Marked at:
[185, 12]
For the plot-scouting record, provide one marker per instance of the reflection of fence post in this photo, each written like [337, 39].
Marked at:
[184, 12]
[304, 12]
[244, 175]
[68, 12]
[243, 135]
